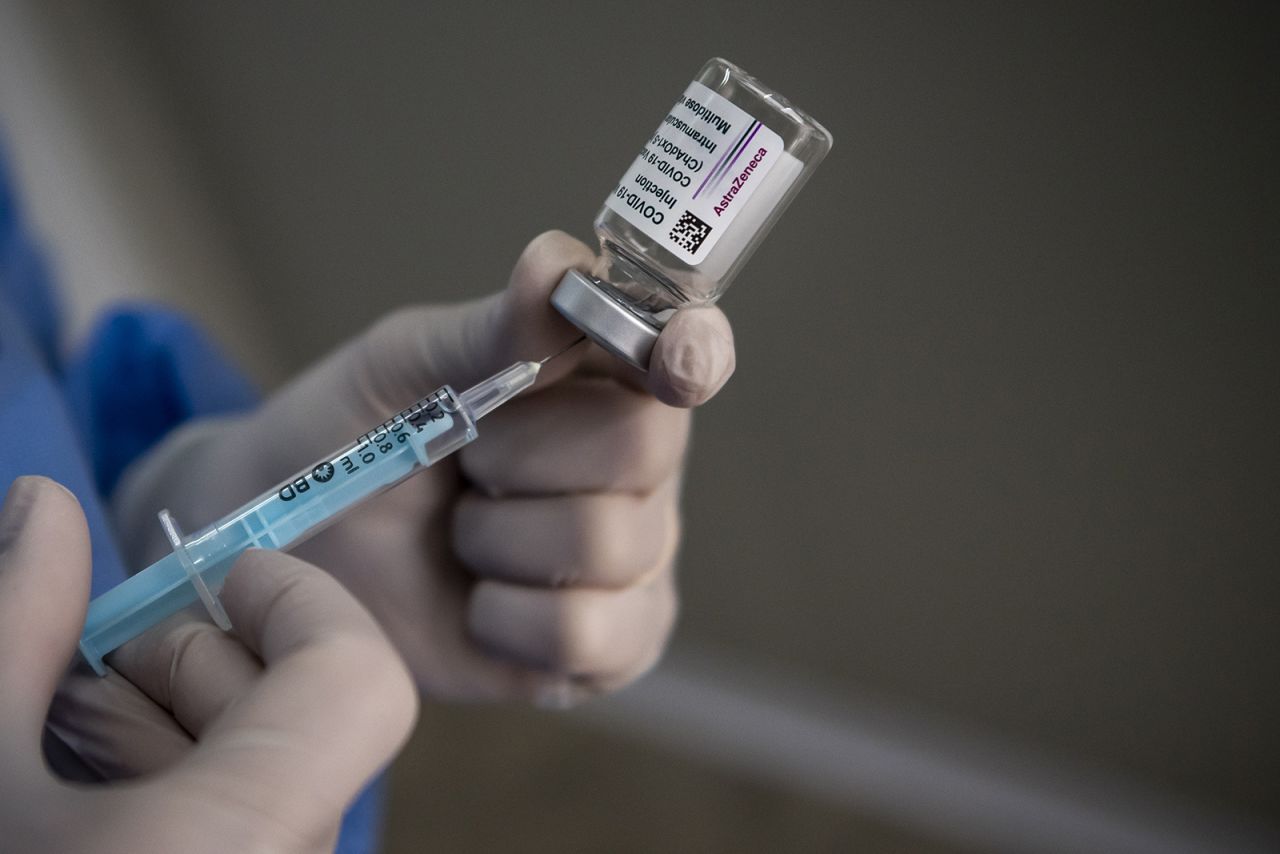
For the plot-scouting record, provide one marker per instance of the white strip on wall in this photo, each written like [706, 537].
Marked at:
[928, 776]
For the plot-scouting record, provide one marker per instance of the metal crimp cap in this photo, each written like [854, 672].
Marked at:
[588, 304]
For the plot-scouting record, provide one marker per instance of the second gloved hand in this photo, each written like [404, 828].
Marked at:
[249, 741]
[538, 562]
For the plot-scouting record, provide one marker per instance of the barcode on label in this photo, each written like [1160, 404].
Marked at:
[689, 232]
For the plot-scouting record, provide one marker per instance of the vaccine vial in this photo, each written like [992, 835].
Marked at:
[704, 191]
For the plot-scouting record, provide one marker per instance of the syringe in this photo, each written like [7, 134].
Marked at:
[411, 440]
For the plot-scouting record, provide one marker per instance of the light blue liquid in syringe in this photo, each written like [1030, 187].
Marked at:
[411, 440]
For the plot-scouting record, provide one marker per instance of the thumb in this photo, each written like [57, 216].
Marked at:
[44, 590]
[692, 358]
[417, 349]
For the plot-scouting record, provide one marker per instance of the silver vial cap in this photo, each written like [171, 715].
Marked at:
[587, 303]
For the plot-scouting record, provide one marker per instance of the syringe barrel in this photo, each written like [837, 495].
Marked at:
[298, 507]
[416, 437]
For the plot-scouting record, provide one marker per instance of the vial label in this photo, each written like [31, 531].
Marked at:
[696, 173]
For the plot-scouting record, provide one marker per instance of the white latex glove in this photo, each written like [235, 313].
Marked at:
[535, 563]
[266, 735]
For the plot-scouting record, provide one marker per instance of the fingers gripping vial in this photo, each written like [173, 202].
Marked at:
[411, 440]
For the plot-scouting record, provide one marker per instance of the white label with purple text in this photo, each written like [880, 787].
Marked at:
[696, 173]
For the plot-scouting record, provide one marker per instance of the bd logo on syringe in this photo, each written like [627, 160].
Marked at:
[322, 473]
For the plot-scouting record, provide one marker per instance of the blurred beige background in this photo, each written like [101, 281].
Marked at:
[982, 539]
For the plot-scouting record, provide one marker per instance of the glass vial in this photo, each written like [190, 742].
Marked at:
[704, 191]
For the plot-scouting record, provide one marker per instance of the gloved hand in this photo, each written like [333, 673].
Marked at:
[535, 563]
[265, 735]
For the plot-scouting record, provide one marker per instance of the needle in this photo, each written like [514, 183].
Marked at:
[575, 343]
